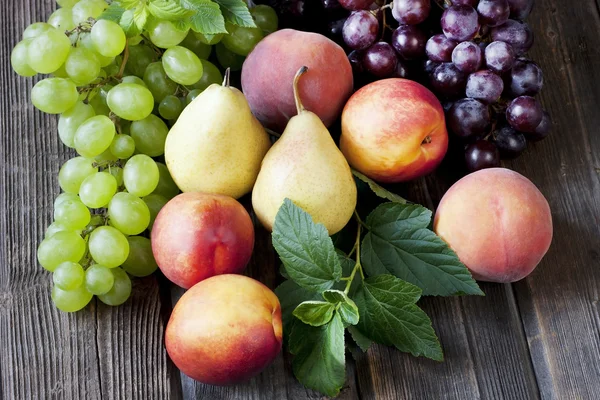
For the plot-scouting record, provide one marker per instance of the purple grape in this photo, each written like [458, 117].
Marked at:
[401, 70]
[517, 34]
[510, 142]
[429, 66]
[380, 60]
[468, 117]
[493, 12]
[472, 3]
[411, 12]
[480, 155]
[409, 41]
[526, 78]
[542, 130]
[448, 81]
[439, 48]
[499, 57]
[336, 29]
[520, 9]
[467, 57]
[524, 113]
[460, 23]
[355, 5]
[356, 61]
[331, 5]
[360, 30]
[484, 86]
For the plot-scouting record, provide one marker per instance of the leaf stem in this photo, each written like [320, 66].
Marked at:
[357, 266]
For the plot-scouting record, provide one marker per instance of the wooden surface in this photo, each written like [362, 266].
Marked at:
[539, 338]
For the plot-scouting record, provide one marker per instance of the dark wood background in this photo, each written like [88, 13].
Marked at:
[538, 338]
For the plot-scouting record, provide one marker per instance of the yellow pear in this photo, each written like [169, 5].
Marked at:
[306, 166]
[216, 145]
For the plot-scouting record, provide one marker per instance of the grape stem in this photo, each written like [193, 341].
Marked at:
[124, 63]
[299, 107]
[356, 248]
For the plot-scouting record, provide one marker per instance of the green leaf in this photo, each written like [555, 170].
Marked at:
[290, 296]
[128, 24]
[140, 16]
[129, 4]
[335, 296]
[379, 190]
[236, 12]
[305, 249]
[168, 10]
[390, 316]
[207, 16]
[182, 25]
[113, 13]
[347, 309]
[361, 340]
[320, 359]
[315, 313]
[398, 242]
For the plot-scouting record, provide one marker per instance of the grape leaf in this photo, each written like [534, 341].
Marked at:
[140, 16]
[379, 190]
[207, 16]
[315, 313]
[390, 316]
[398, 242]
[113, 13]
[320, 359]
[236, 12]
[127, 22]
[168, 10]
[305, 249]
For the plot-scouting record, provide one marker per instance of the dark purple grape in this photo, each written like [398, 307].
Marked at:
[409, 41]
[336, 29]
[517, 34]
[331, 5]
[401, 70]
[429, 66]
[360, 30]
[411, 12]
[499, 57]
[524, 113]
[520, 9]
[354, 5]
[467, 57]
[526, 78]
[493, 12]
[510, 142]
[484, 86]
[380, 60]
[356, 61]
[439, 48]
[472, 3]
[542, 130]
[448, 81]
[480, 155]
[460, 23]
[468, 117]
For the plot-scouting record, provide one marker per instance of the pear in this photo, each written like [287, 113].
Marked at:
[306, 166]
[216, 145]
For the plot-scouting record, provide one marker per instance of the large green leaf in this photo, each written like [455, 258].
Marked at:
[207, 16]
[236, 12]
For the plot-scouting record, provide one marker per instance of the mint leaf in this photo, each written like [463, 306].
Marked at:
[320, 360]
[379, 190]
[290, 296]
[140, 16]
[168, 10]
[113, 13]
[314, 313]
[346, 307]
[390, 316]
[207, 16]
[236, 12]
[128, 24]
[398, 242]
[361, 340]
[305, 249]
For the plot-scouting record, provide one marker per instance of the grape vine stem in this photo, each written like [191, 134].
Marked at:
[356, 248]
[124, 63]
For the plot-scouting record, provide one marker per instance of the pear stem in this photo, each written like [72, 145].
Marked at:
[299, 107]
[226, 79]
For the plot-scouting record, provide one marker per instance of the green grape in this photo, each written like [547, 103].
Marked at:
[114, 67]
[62, 73]
[99, 279]
[130, 101]
[241, 40]
[192, 94]
[155, 203]
[166, 185]
[133, 79]
[66, 3]
[71, 119]
[141, 261]
[82, 66]
[120, 291]
[18, 59]
[229, 59]
[105, 157]
[140, 175]
[36, 29]
[97, 189]
[209, 39]
[65, 196]
[122, 146]
[108, 38]
[211, 75]
[60, 247]
[158, 82]
[182, 65]
[94, 136]
[117, 172]
[265, 18]
[68, 276]
[128, 213]
[48, 51]
[53, 228]
[108, 246]
[62, 19]
[98, 102]
[54, 95]
[85, 41]
[72, 214]
[73, 173]
[134, 41]
[87, 9]
[150, 135]
[170, 107]
[164, 34]
[191, 42]
[139, 58]
[71, 300]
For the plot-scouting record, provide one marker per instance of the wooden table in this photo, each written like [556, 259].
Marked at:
[538, 338]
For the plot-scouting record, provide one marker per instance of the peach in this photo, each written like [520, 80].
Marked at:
[394, 130]
[224, 330]
[198, 235]
[269, 71]
[498, 223]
